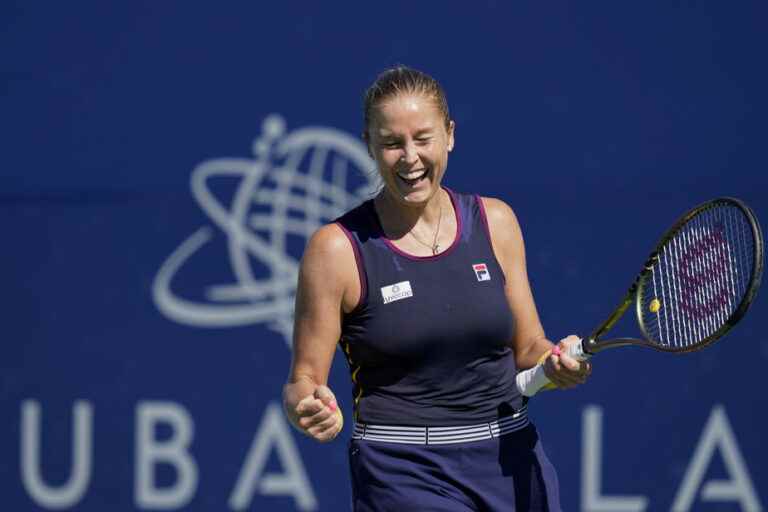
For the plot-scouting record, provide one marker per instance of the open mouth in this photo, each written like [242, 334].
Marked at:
[413, 177]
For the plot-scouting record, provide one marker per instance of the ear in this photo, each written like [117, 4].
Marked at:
[451, 140]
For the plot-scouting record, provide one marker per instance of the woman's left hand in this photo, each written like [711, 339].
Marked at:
[563, 370]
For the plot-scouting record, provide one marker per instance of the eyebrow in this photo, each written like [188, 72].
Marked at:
[420, 131]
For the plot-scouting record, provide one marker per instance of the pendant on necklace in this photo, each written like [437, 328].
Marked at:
[435, 249]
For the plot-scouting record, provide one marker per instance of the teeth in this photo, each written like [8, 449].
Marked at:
[410, 176]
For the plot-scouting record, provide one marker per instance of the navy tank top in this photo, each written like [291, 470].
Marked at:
[428, 343]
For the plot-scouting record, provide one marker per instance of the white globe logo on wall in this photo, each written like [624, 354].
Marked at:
[297, 182]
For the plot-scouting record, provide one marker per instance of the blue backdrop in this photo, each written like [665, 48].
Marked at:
[163, 163]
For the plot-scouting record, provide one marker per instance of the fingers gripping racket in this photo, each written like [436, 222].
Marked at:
[696, 285]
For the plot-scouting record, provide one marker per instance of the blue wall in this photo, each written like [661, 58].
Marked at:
[147, 151]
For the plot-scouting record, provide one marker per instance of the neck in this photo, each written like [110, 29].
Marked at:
[400, 218]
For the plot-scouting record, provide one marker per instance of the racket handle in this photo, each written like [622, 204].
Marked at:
[530, 382]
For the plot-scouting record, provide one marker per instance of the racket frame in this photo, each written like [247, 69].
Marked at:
[593, 344]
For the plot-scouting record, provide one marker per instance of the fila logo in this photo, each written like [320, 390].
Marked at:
[397, 291]
[481, 271]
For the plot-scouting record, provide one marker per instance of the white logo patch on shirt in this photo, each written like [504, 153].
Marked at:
[481, 271]
[397, 291]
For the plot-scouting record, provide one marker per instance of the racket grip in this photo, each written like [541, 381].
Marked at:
[530, 382]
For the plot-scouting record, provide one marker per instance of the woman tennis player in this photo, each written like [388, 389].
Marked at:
[426, 289]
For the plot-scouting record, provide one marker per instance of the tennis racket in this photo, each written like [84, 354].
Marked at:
[696, 285]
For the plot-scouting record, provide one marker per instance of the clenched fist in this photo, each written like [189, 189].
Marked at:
[317, 415]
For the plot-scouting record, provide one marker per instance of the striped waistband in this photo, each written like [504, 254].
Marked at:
[442, 435]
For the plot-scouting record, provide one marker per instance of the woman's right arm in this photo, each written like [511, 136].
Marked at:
[328, 283]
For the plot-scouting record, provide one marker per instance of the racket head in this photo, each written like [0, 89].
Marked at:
[702, 277]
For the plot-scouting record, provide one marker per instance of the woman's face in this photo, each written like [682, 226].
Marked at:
[408, 139]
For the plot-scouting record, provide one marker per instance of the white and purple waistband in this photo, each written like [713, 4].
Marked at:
[442, 435]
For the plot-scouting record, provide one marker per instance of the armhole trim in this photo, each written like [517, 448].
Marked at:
[361, 273]
[487, 227]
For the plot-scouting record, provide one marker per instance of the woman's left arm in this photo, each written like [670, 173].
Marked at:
[529, 340]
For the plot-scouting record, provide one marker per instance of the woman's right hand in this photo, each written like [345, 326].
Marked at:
[317, 415]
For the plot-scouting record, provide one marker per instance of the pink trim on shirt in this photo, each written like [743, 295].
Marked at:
[450, 249]
[485, 219]
[361, 273]
[487, 226]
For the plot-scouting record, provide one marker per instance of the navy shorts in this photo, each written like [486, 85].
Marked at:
[508, 473]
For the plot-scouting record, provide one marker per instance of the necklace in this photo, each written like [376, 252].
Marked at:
[434, 246]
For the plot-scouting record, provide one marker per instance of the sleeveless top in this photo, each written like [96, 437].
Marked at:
[428, 343]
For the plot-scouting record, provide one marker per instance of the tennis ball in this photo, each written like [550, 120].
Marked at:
[654, 306]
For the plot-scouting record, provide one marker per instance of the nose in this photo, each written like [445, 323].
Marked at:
[409, 156]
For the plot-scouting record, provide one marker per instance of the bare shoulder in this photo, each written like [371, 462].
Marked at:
[328, 241]
[502, 221]
[328, 268]
[328, 249]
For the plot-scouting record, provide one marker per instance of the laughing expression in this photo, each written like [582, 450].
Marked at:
[410, 142]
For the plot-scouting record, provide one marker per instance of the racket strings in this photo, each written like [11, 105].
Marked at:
[701, 276]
